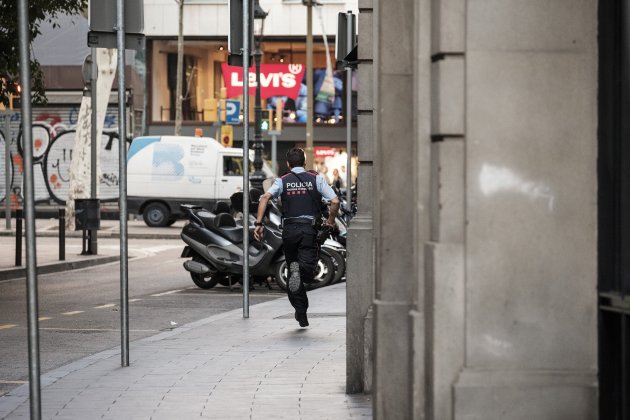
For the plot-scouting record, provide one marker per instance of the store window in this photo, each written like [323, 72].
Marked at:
[204, 82]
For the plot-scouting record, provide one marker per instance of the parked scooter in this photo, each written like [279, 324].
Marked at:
[214, 242]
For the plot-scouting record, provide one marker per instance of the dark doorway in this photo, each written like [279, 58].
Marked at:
[614, 209]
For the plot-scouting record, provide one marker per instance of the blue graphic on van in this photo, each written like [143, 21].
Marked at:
[166, 161]
[139, 144]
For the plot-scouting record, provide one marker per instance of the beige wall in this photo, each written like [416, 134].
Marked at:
[485, 219]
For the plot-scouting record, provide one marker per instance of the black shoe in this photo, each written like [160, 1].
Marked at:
[302, 319]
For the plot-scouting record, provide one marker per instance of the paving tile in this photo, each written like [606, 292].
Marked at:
[222, 367]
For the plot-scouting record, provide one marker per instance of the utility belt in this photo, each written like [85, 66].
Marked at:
[298, 221]
[318, 223]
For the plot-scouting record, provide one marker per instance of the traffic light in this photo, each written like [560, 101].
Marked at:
[346, 41]
[266, 119]
[279, 115]
[15, 99]
[235, 34]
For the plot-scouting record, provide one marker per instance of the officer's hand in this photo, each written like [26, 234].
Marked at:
[258, 232]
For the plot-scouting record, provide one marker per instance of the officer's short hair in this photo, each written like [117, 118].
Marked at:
[296, 157]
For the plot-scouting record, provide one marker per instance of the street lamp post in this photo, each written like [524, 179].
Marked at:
[258, 175]
[309, 82]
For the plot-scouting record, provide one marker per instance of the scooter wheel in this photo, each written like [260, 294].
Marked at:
[324, 272]
[206, 281]
[340, 264]
[281, 274]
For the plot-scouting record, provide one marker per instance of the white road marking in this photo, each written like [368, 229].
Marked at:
[72, 313]
[13, 382]
[94, 329]
[108, 305]
[170, 292]
[134, 300]
[7, 326]
[145, 251]
[44, 318]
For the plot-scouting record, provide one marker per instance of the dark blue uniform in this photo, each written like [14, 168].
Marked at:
[301, 193]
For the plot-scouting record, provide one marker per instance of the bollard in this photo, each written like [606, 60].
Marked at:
[18, 237]
[62, 234]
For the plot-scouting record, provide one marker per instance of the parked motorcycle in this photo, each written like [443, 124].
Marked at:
[331, 247]
[214, 244]
[338, 253]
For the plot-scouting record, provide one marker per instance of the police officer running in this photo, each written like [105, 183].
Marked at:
[301, 193]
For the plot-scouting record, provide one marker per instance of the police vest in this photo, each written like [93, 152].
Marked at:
[300, 196]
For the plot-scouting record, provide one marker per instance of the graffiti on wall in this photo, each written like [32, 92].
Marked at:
[53, 140]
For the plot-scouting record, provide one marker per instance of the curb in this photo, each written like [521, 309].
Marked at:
[101, 234]
[16, 273]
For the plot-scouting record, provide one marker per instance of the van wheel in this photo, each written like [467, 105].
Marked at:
[156, 215]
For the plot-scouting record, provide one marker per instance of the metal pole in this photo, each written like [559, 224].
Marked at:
[309, 85]
[122, 187]
[258, 176]
[180, 69]
[62, 234]
[94, 148]
[246, 37]
[274, 152]
[219, 135]
[29, 207]
[349, 115]
[18, 237]
[7, 168]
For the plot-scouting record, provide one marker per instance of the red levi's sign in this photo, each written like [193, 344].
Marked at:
[275, 80]
[324, 151]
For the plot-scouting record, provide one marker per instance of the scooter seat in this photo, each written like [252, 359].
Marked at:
[232, 234]
[207, 218]
[225, 225]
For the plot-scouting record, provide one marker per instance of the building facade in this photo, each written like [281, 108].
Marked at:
[282, 39]
[475, 259]
[150, 79]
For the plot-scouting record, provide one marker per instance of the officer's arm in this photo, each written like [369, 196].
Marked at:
[327, 192]
[334, 208]
[262, 206]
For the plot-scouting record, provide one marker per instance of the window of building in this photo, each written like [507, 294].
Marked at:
[203, 82]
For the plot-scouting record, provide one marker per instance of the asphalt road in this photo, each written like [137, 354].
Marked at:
[79, 310]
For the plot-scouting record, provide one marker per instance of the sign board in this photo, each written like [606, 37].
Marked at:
[110, 40]
[322, 152]
[232, 112]
[275, 80]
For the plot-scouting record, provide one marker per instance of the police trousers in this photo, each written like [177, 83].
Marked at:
[302, 253]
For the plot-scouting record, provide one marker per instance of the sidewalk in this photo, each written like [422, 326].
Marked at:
[222, 367]
[47, 245]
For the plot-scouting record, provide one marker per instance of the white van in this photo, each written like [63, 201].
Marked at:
[166, 171]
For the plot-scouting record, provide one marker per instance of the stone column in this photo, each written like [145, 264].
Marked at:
[445, 252]
[401, 116]
[360, 262]
[531, 194]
